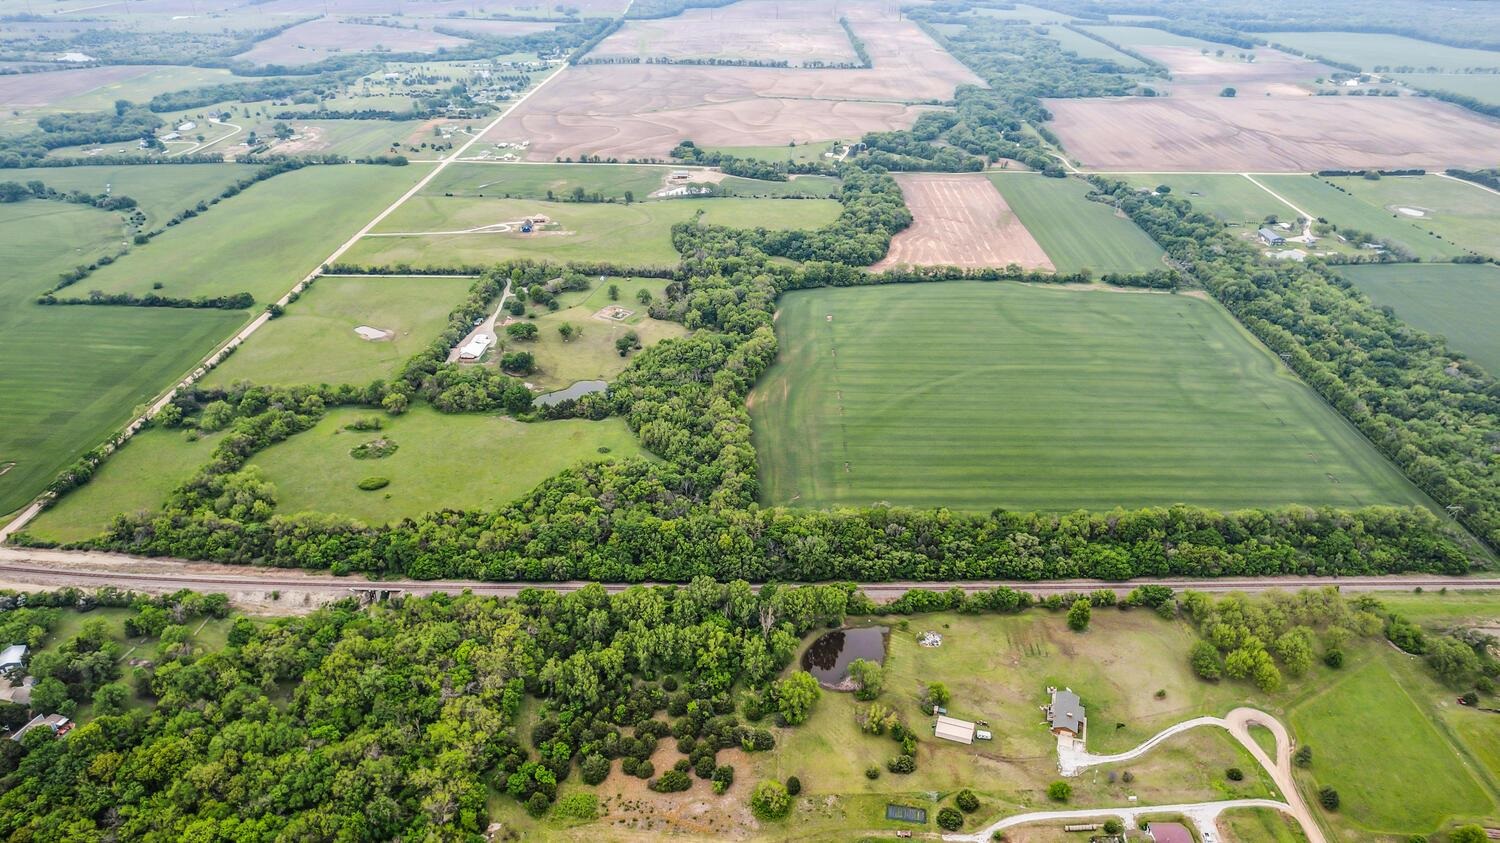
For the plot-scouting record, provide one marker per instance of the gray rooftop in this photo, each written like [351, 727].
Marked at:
[1067, 711]
[15, 654]
[1271, 235]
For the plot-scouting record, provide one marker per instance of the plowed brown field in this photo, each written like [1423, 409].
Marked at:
[960, 219]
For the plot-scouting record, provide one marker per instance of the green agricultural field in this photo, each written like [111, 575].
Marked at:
[1234, 199]
[135, 479]
[973, 396]
[73, 374]
[265, 239]
[1075, 233]
[1030, 14]
[1457, 301]
[461, 461]
[1415, 796]
[1371, 50]
[1458, 211]
[810, 151]
[533, 181]
[1319, 198]
[1484, 87]
[1145, 36]
[315, 342]
[821, 186]
[1088, 48]
[630, 235]
[592, 354]
[161, 191]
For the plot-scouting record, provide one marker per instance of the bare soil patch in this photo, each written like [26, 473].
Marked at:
[1273, 72]
[960, 220]
[317, 40]
[1285, 134]
[756, 29]
[479, 27]
[35, 90]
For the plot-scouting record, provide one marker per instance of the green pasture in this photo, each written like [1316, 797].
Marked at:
[1321, 199]
[1457, 301]
[1370, 50]
[1484, 87]
[533, 181]
[1088, 48]
[1145, 36]
[314, 341]
[73, 374]
[974, 395]
[160, 191]
[1075, 233]
[1461, 212]
[1261, 825]
[467, 461]
[137, 478]
[1234, 199]
[808, 151]
[1021, 11]
[591, 355]
[630, 235]
[262, 241]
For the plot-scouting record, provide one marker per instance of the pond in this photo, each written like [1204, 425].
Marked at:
[829, 657]
[577, 390]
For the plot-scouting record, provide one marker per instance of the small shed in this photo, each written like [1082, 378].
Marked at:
[13, 658]
[953, 729]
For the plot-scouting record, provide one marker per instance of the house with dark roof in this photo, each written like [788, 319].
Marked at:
[1065, 714]
[1170, 833]
[1271, 238]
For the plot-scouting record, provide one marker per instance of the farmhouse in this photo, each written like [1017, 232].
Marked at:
[1270, 237]
[475, 348]
[1170, 833]
[1065, 715]
[13, 657]
[953, 729]
[59, 725]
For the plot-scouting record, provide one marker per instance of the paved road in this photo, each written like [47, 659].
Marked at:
[20, 567]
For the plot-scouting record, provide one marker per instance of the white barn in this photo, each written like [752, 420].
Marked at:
[953, 729]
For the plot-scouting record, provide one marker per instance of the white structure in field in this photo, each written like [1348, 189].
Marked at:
[953, 729]
[476, 347]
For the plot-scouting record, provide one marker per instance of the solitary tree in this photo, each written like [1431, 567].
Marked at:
[1228, 92]
[1059, 791]
[770, 801]
[568, 331]
[1079, 614]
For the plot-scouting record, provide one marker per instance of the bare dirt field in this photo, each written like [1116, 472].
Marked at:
[491, 28]
[1273, 72]
[755, 29]
[36, 90]
[1272, 134]
[960, 219]
[317, 40]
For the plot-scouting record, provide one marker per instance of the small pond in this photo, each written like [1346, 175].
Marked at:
[829, 657]
[577, 390]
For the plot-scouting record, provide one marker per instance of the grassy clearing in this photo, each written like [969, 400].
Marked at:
[1458, 301]
[74, 373]
[592, 355]
[262, 241]
[1371, 50]
[1481, 86]
[1321, 199]
[1088, 48]
[1443, 608]
[639, 234]
[1464, 213]
[1075, 233]
[136, 479]
[1260, 825]
[1359, 725]
[973, 395]
[459, 461]
[1145, 36]
[534, 181]
[161, 191]
[314, 342]
[1233, 199]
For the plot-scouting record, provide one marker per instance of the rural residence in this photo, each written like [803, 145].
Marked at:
[58, 724]
[1271, 238]
[1065, 715]
[1170, 833]
[13, 658]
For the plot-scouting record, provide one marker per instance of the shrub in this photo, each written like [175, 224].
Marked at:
[770, 801]
[793, 785]
[723, 777]
[1334, 658]
[370, 484]
[1234, 774]
[1127, 777]
[1114, 827]
[1303, 756]
[595, 769]
[1468, 834]
[375, 449]
[1079, 615]
[577, 806]
[629, 764]
[1059, 791]
[1328, 798]
[950, 819]
[872, 772]
[538, 804]
[902, 764]
[672, 781]
[967, 801]
[645, 770]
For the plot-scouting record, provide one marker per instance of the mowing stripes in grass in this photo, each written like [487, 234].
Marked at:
[973, 396]
[1457, 301]
[1075, 233]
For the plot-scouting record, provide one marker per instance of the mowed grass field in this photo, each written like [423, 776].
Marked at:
[1075, 233]
[137, 478]
[1457, 301]
[591, 355]
[460, 461]
[160, 191]
[1370, 50]
[629, 235]
[1234, 199]
[73, 374]
[314, 342]
[1458, 211]
[973, 396]
[1321, 199]
[534, 181]
[262, 241]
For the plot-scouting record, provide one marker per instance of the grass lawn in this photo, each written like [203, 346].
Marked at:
[1446, 609]
[1464, 213]
[73, 374]
[1075, 233]
[1321, 199]
[265, 239]
[1234, 199]
[137, 478]
[973, 395]
[592, 355]
[459, 461]
[1359, 727]
[639, 234]
[314, 342]
[820, 186]
[161, 191]
[1260, 825]
[1370, 50]
[1458, 301]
